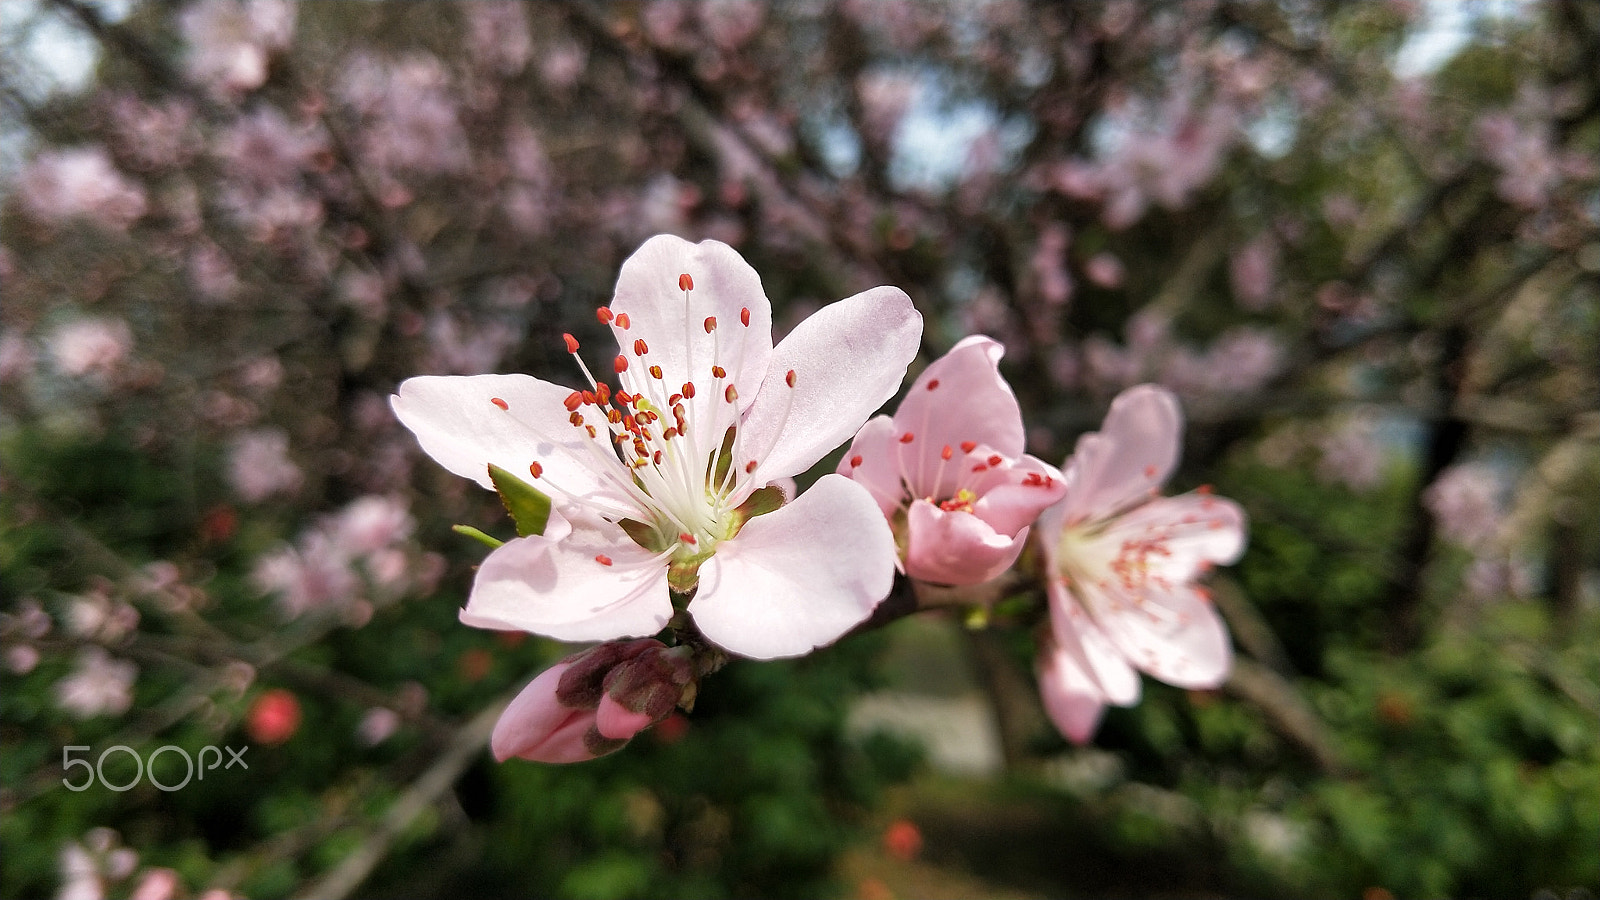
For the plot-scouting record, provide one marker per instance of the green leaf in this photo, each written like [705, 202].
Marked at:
[529, 507]
[477, 535]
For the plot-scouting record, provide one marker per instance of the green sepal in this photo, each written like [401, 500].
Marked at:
[529, 507]
[646, 536]
[760, 502]
[478, 536]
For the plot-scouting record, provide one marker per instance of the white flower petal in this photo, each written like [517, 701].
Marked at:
[798, 578]
[1173, 634]
[968, 402]
[1071, 696]
[1078, 637]
[565, 589]
[848, 358]
[1131, 456]
[878, 470]
[459, 424]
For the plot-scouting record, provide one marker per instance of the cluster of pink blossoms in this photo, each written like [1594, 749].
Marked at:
[669, 510]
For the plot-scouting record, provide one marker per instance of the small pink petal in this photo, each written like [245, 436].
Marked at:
[1016, 493]
[872, 463]
[848, 359]
[1196, 531]
[798, 578]
[1131, 456]
[1078, 637]
[968, 402]
[592, 586]
[956, 547]
[618, 723]
[1071, 698]
[1174, 634]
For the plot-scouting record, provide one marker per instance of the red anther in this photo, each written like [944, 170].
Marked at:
[656, 458]
[685, 283]
[622, 321]
[641, 451]
[621, 365]
[789, 378]
[498, 402]
[614, 416]
[711, 324]
[933, 384]
[730, 394]
[624, 398]
[1204, 489]
[968, 446]
[980, 467]
[669, 434]
[590, 429]
[590, 398]
[535, 469]
[572, 343]
[602, 393]
[749, 467]
[687, 538]
[630, 423]
[576, 419]
[855, 461]
[655, 372]
[906, 438]
[1149, 471]
[744, 317]
[604, 315]
[573, 401]
[688, 389]
[946, 453]
[994, 460]
[673, 400]
[640, 348]
[719, 372]
[602, 559]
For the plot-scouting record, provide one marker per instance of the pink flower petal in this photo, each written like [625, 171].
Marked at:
[878, 471]
[617, 722]
[672, 323]
[1012, 495]
[1078, 636]
[538, 727]
[459, 424]
[1195, 531]
[593, 586]
[1132, 455]
[959, 398]
[798, 578]
[1071, 697]
[1173, 634]
[956, 547]
[848, 358]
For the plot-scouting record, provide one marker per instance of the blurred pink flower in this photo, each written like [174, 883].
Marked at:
[1105, 270]
[231, 41]
[948, 469]
[1049, 264]
[378, 725]
[593, 702]
[259, 465]
[16, 357]
[62, 184]
[1351, 454]
[96, 347]
[497, 36]
[1122, 561]
[98, 686]
[1253, 271]
[153, 136]
[1467, 501]
[694, 329]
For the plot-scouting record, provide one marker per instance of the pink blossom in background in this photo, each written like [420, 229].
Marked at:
[365, 292]
[410, 112]
[16, 357]
[99, 685]
[1049, 264]
[156, 884]
[59, 185]
[315, 575]
[1105, 270]
[1122, 562]
[1467, 502]
[232, 41]
[497, 36]
[153, 136]
[1525, 155]
[259, 465]
[695, 363]
[730, 23]
[212, 273]
[948, 470]
[98, 616]
[370, 524]
[90, 347]
[1352, 454]
[885, 96]
[1253, 272]
[263, 149]
[464, 348]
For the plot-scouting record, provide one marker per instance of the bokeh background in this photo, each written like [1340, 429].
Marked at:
[1360, 240]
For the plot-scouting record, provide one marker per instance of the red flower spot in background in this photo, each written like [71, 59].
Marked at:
[218, 524]
[671, 729]
[474, 664]
[902, 840]
[273, 718]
